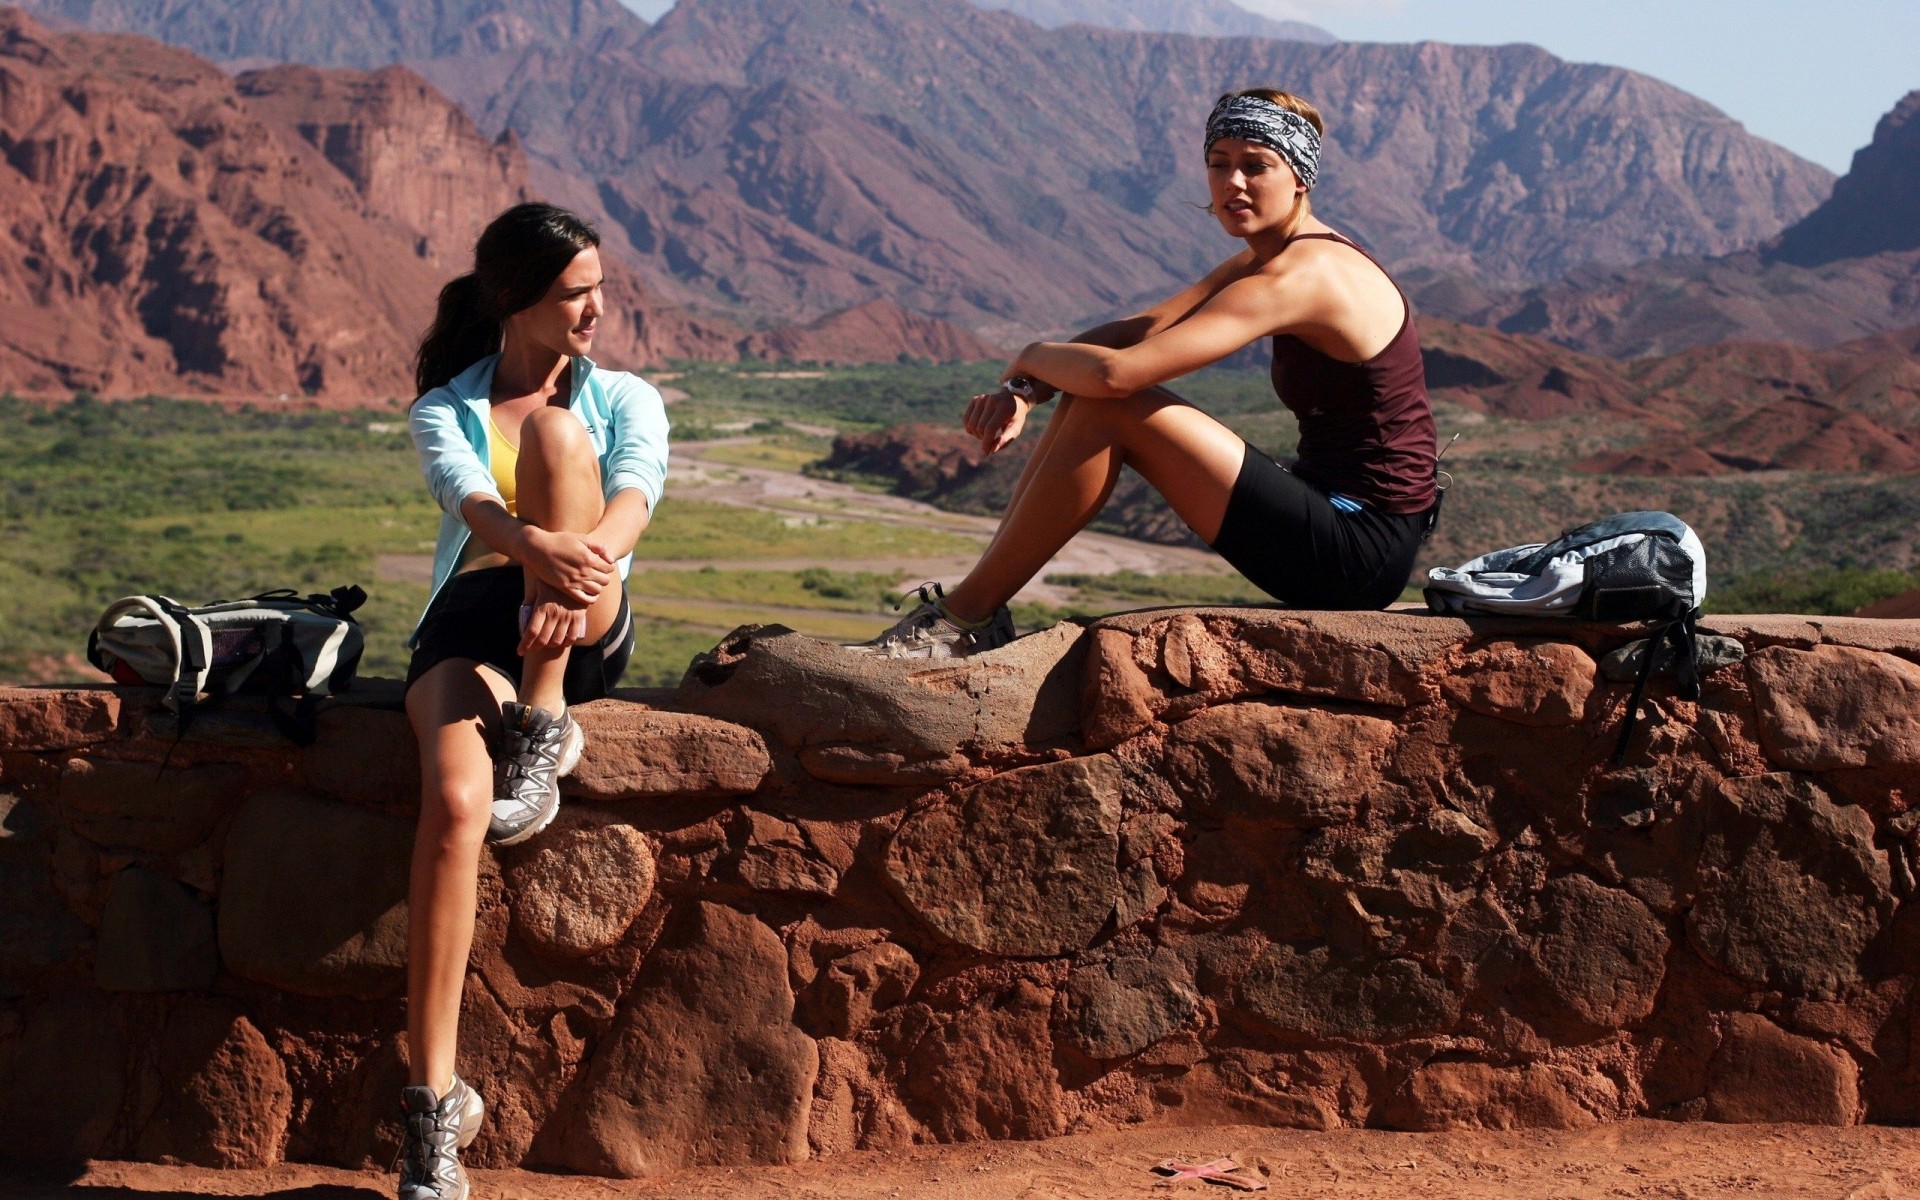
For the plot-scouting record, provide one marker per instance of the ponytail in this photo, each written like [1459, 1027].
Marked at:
[519, 255]
[463, 333]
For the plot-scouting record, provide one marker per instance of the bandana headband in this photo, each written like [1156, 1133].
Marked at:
[1281, 130]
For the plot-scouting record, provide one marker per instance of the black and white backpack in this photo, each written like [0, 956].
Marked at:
[1634, 566]
[278, 644]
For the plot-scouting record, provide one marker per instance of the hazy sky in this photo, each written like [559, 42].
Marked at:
[1812, 76]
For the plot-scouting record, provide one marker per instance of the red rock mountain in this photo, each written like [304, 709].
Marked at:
[1849, 269]
[864, 333]
[175, 230]
[792, 158]
[349, 33]
[1203, 18]
[1876, 207]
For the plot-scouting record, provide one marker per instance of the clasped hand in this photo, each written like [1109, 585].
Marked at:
[996, 418]
[565, 573]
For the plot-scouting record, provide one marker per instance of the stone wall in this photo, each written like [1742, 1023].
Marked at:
[1179, 866]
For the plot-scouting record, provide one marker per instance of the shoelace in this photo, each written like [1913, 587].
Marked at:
[929, 592]
[517, 746]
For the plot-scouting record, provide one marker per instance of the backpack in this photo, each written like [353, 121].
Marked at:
[1634, 566]
[277, 643]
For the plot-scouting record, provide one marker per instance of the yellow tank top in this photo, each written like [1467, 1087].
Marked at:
[505, 457]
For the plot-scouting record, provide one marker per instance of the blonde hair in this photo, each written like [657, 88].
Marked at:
[1301, 106]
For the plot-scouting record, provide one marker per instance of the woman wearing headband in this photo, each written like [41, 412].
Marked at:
[1338, 528]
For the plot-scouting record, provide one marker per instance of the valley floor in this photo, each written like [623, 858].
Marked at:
[1634, 1159]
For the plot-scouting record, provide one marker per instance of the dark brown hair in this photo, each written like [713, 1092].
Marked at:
[519, 255]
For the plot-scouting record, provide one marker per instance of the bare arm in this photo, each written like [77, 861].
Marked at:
[1237, 314]
[566, 561]
[1131, 331]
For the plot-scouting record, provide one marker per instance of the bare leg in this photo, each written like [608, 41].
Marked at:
[452, 708]
[1189, 457]
[558, 482]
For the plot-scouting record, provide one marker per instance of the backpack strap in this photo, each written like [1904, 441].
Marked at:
[1681, 636]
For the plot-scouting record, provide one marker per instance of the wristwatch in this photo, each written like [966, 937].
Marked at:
[1028, 389]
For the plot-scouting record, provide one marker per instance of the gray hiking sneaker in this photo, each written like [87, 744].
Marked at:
[438, 1129]
[536, 749]
[930, 632]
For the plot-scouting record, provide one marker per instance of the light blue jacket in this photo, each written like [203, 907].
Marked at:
[625, 418]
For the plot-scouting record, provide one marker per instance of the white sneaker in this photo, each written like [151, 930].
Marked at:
[536, 749]
[437, 1129]
[929, 631]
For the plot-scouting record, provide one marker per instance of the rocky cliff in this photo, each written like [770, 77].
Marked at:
[1202, 18]
[793, 159]
[1876, 207]
[1849, 269]
[176, 231]
[350, 33]
[1175, 867]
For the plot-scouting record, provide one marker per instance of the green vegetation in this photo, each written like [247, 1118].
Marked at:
[699, 530]
[1829, 593]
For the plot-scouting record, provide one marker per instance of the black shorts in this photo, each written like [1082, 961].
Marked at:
[1293, 543]
[477, 616]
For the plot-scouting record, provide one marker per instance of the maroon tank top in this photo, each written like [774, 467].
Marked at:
[1366, 428]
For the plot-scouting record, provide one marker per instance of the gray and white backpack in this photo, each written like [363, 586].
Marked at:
[1634, 566]
[277, 644]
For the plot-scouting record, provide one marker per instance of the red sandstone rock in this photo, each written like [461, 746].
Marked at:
[57, 718]
[364, 756]
[1763, 1073]
[1119, 1005]
[780, 857]
[1792, 890]
[912, 713]
[224, 1099]
[578, 887]
[1837, 706]
[155, 936]
[1023, 865]
[1311, 992]
[1298, 766]
[313, 898]
[1601, 952]
[1471, 1095]
[139, 806]
[63, 1079]
[636, 753]
[703, 1066]
[987, 1070]
[1527, 682]
[850, 989]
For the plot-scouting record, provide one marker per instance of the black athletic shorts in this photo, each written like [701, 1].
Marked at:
[1294, 543]
[477, 616]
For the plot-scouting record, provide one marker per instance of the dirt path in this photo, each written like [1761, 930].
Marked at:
[1630, 1160]
[789, 494]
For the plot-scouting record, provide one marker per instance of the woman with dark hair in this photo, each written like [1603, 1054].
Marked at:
[1337, 529]
[546, 469]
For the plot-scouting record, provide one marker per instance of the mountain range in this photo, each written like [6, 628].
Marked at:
[173, 229]
[1202, 18]
[1849, 268]
[855, 179]
[777, 160]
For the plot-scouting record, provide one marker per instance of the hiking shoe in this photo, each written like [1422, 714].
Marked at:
[536, 749]
[438, 1128]
[929, 631]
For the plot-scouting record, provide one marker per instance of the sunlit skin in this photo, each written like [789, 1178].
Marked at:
[568, 539]
[1113, 410]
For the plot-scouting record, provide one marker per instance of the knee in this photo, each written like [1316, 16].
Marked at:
[553, 434]
[455, 814]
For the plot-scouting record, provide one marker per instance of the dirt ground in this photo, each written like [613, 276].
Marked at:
[1634, 1159]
